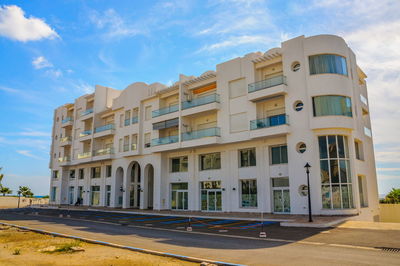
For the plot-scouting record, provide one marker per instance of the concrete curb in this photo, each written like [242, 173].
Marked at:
[311, 225]
[146, 251]
[166, 214]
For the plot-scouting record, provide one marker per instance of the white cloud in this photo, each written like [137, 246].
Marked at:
[55, 73]
[41, 62]
[29, 154]
[14, 25]
[32, 133]
[388, 169]
[9, 90]
[113, 24]
[237, 41]
[84, 87]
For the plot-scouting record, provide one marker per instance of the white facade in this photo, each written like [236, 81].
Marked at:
[288, 100]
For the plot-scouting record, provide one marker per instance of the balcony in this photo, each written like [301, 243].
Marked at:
[104, 130]
[86, 112]
[85, 135]
[66, 141]
[269, 126]
[67, 122]
[135, 120]
[201, 104]
[85, 157]
[166, 143]
[103, 154]
[166, 110]
[203, 137]
[66, 160]
[166, 124]
[267, 88]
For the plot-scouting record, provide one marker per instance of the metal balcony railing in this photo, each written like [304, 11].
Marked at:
[85, 133]
[84, 155]
[202, 133]
[64, 159]
[270, 121]
[104, 128]
[67, 119]
[104, 151]
[165, 140]
[65, 139]
[201, 101]
[86, 112]
[166, 110]
[267, 83]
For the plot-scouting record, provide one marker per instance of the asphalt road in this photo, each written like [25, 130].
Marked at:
[294, 246]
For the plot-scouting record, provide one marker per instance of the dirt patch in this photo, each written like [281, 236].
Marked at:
[29, 248]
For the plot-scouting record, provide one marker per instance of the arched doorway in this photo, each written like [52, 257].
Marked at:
[119, 187]
[149, 174]
[134, 190]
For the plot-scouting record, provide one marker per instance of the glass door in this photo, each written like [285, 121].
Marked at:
[179, 196]
[211, 196]
[281, 195]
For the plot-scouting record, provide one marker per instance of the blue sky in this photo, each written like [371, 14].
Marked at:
[51, 52]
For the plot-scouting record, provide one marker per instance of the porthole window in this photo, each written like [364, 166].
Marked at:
[295, 66]
[301, 147]
[298, 106]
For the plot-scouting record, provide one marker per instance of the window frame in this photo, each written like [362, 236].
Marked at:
[249, 194]
[214, 166]
[248, 150]
[280, 154]
[324, 73]
[181, 168]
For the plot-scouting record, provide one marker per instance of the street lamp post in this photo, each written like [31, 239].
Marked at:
[308, 166]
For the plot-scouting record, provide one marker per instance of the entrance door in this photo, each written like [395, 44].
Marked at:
[71, 195]
[281, 195]
[211, 196]
[134, 201]
[179, 196]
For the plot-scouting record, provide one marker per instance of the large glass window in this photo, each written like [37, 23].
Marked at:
[249, 193]
[96, 172]
[95, 195]
[81, 173]
[53, 194]
[210, 161]
[72, 174]
[179, 164]
[247, 157]
[279, 154]
[327, 63]
[336, 181]
[332, 105]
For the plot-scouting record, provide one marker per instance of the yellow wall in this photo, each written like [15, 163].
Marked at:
[390, 213]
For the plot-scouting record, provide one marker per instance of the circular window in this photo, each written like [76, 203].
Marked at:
[295, 66]
[298, 106]
[301, 147]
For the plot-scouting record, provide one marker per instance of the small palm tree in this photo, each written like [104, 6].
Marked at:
[393, 196]
[25, 191]
[1, 177]
[5, 190]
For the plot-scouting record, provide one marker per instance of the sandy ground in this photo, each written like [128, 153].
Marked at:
[28, 245]
[12, 202]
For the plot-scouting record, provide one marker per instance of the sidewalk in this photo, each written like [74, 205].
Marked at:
[292, 220]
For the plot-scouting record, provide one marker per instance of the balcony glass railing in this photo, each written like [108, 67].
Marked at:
[104, 151]
[202, 133]
[66, 120]
[84, 155]
[65, 139]
[86, 112]
[85, 133]
[165, 140]
[270, 121]
[166, 110]
[104, 128]
[64, 159]
[135, 119]
[201, 101]
[267, 83]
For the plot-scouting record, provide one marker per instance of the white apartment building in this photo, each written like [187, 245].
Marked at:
[232, 140]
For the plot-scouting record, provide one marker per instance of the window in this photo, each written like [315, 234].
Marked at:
[332, 105]
[108, 195]
[53, 194]
[358, 146]
[121, 120]
[95, 195]
[295, 66]
[368, 132]
[96, 172]
[210, 161]
[179, 164]
[108, 170]
[336, 184]
[55, 174]
[134, 142]
[147, 137]
[239, 122]
[248, 193]
[237, 88]
[298, 106]
[126, 143]
[247, 157]
[147, 113]
[362, 185]
[81, 173]
[327, 63]
[301, 147]
[72, 174]
[279, 154]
